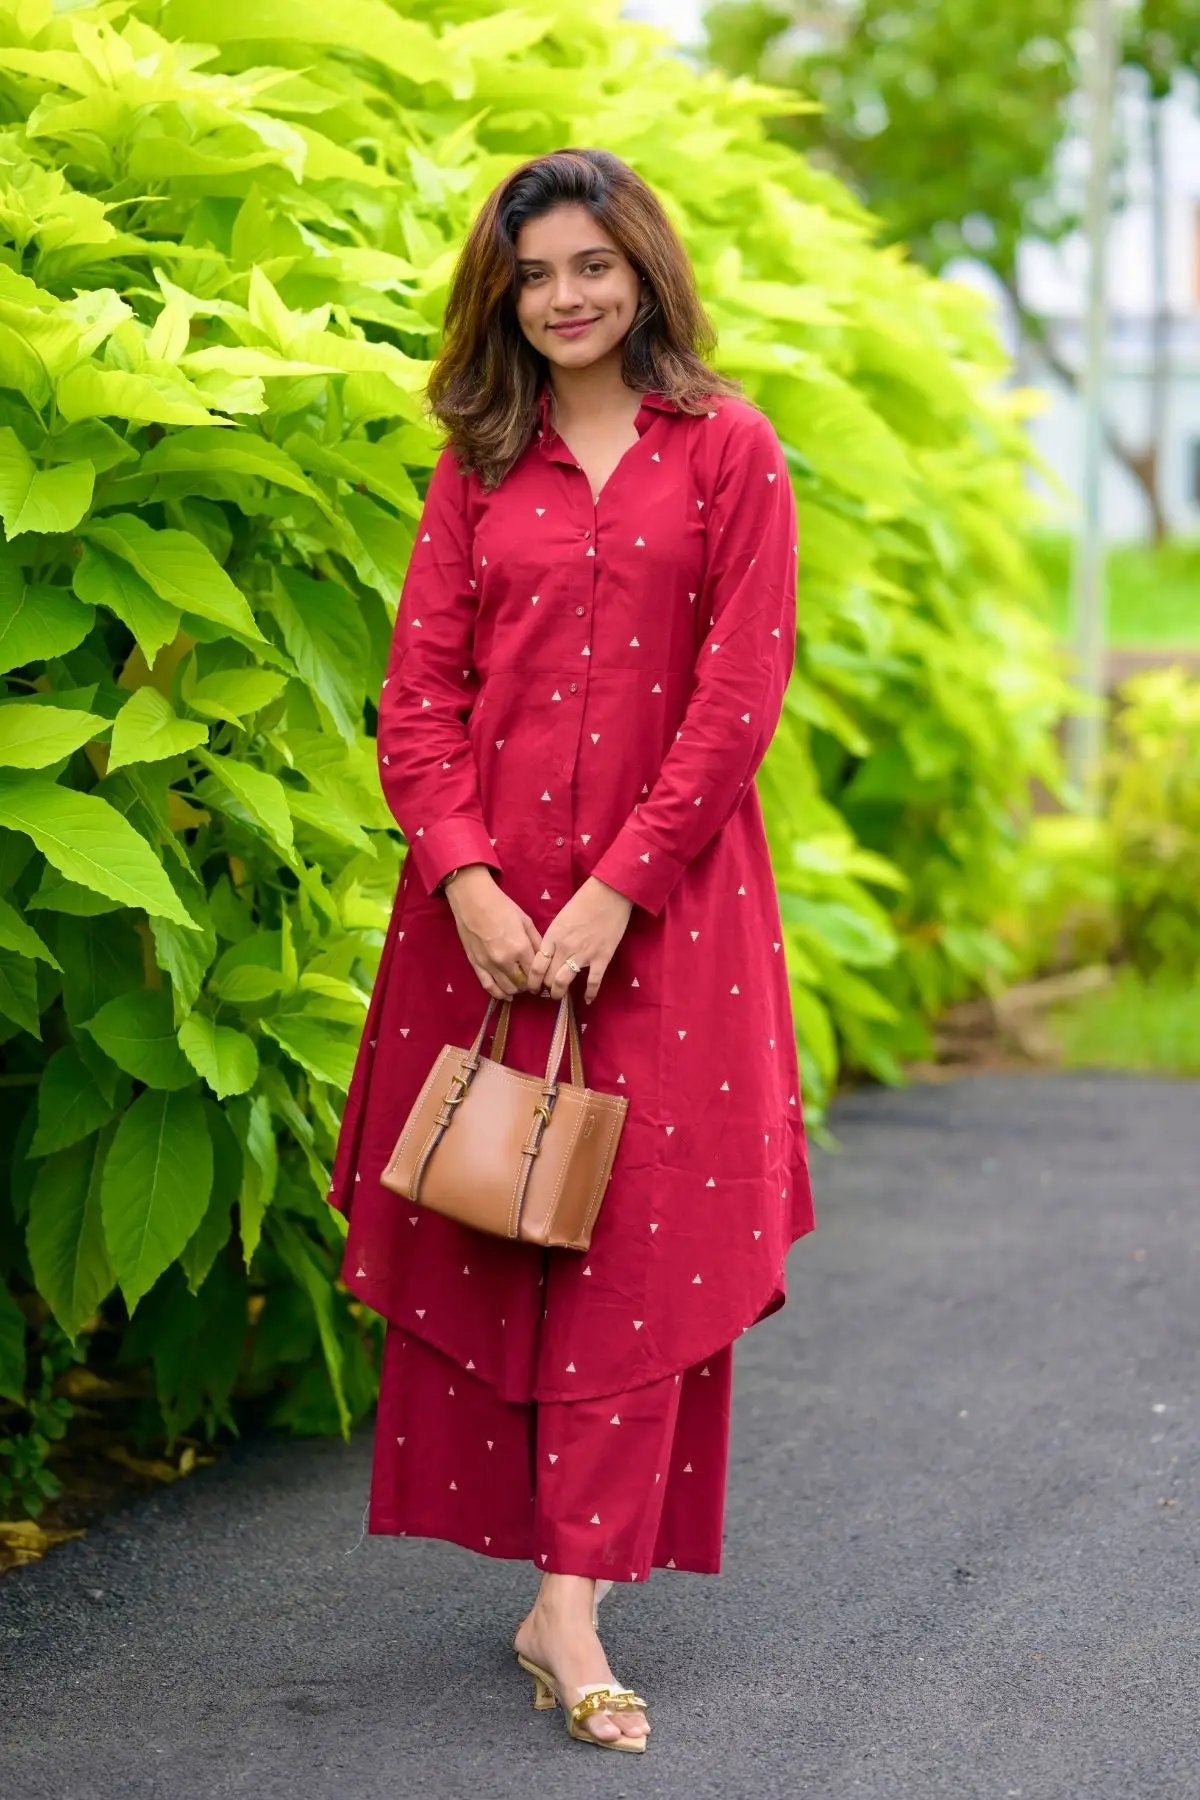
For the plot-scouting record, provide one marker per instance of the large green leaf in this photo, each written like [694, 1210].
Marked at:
[104, 580]
[155, 1187]
[33, 735]
[259, 795]
[88, 842]
[70, 1103]
[325, 1051]
[177, 567]
[36, 621]
[138, 1032]
[147, 729]
[326, 639]
[16, 935]
[65, 1235]
[33, 499]
[232, 693]
[225, 1058]
[216, 452]
[19, 992]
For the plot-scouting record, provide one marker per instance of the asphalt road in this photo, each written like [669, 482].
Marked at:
[962, 1553]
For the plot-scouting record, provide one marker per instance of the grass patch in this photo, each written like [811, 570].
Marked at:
[1153, 594]
[1150, 1025]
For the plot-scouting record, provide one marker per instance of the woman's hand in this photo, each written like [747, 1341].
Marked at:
[499, 938]
[589, 928]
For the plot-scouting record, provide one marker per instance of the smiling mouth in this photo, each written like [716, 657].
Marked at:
[574, 325]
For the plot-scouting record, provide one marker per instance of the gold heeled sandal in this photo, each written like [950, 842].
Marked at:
[598, 1696]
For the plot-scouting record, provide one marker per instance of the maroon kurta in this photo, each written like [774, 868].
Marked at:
[575, 688]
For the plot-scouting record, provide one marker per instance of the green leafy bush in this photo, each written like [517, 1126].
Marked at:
[1153, 781]
[1121, 886]
[226, 233]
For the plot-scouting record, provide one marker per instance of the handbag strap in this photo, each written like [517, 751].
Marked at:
[566, 1018]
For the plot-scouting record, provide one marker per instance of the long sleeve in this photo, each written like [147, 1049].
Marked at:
[426, 764]
[742, 670]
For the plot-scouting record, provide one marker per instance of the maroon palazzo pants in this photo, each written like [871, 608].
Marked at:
[609, 1487]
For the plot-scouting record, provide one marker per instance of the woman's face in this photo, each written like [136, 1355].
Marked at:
[577, 292]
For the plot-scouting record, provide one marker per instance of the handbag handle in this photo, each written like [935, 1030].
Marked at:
[566, 1018]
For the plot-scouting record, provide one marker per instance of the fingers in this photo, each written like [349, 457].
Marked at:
[595, 977]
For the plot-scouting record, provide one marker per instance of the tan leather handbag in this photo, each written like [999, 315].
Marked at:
[508, 1153]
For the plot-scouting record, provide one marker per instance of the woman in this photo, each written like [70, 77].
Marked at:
[593, 641]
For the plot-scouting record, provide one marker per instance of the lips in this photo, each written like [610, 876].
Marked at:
[575, 329]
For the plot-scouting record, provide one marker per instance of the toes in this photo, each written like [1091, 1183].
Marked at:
[603, 1725]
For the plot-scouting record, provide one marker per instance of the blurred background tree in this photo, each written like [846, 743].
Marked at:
[949, 118]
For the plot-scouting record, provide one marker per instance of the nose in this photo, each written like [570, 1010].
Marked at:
[565, 297]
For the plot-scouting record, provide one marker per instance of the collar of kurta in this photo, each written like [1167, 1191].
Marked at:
[549, 437]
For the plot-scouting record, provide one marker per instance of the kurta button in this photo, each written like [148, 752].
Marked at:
[559, 840]
[579, 612]
[587, 534]
[574, 685]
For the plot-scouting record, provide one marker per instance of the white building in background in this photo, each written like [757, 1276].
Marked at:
[1054, 285]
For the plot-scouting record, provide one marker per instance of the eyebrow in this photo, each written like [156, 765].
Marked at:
[596, 250]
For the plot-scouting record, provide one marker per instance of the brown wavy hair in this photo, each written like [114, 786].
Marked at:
[483, 387]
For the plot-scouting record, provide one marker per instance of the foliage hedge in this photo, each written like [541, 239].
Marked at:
[226, 232]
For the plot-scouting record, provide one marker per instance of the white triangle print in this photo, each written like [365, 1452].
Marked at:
[654, 1227]
[633, 644]
[694, 936]
[639, 543]
[668, 1129]
[688, 1469]
[710, 1182]
[682, 1033]
[696, 1282]
[638, 1323]
[595, 1519]
[616, 1419]
[399, 1440]
[595, 736]
[571, 1370]
[553, 1455]
[656, 457]
[757, 1235]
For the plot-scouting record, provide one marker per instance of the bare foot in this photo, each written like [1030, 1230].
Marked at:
[558, 1634]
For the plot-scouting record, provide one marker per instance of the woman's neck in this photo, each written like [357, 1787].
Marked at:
[598, 391]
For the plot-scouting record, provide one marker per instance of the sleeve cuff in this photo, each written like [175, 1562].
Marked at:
[448, 845]
[644, 875]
